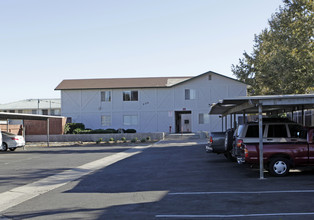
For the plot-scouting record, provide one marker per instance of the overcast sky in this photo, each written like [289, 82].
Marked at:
[45, 41]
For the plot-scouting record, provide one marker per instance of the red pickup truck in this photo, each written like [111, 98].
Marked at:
[280, 156]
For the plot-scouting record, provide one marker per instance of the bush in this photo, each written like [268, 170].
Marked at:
[123, 139]
[99, 140]
[148, 138]
[134, 140]
[70, 127]
[102, 131]
[77, 131]
[98, 131]
[143, 140]
[130, 131]
[111, 139]
[111, 130]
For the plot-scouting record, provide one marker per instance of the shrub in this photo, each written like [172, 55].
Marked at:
[77, 131]
[111, 130]
[130, 131]
[123, 139]
[99, 140]
[70, 127]
[102, 131]
[111, 139]
[134, 140]
[148, 138]
[143, 140]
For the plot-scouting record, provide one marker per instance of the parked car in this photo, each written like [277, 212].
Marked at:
[221, 143]
[285, 145]
[11, 141]
[275, 130]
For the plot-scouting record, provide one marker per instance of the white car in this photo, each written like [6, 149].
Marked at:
[11, 141]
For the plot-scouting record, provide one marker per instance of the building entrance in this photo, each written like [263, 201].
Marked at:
[183, 120]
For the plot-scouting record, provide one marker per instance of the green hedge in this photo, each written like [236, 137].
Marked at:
[79, 128]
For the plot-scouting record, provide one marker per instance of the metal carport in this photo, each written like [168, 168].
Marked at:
[271, 104]
[17, 116]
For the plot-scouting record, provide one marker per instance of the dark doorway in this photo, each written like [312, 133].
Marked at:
[183, 121]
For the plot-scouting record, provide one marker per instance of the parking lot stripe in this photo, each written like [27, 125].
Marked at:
[21, 194]
[234, 216]
[241, 192]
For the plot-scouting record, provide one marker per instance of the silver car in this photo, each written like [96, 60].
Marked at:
[11, 141]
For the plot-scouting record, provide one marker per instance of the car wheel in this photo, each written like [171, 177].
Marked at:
[229, 156]
[4, 146]
[12, 148]
[279, 166]
[228, 139]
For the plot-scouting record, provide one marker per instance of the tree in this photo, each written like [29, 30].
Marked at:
[282, 61]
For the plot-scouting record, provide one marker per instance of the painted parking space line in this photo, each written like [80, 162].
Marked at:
[21, 194]
[234, 216]
[241, 192]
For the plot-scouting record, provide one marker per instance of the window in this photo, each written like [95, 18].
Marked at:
[34, 111]
[105, 96]
[203, 118]
[190, 94]
[297, 131]
[277, 131]
[130, 120]
[130, 96]
[253, 131]
[45, 111]
[106, 120]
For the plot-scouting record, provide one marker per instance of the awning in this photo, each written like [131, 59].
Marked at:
[270, 103]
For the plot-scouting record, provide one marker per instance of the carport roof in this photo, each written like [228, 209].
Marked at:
[270, 103]
[6, 115]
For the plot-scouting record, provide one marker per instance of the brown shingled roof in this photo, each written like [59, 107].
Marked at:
[116, 83]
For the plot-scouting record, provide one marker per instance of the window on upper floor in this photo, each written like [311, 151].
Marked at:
[190, 94]
[105, 96]
[203, 118]
[130, 96]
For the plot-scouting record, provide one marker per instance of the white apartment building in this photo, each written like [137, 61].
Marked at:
[152, 104]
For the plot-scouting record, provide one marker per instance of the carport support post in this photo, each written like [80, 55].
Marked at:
[48, 132]
[260, 131]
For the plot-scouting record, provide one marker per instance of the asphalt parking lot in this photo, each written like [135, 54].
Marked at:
[167, 180]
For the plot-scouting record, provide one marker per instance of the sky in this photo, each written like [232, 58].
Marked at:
[43, 42]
